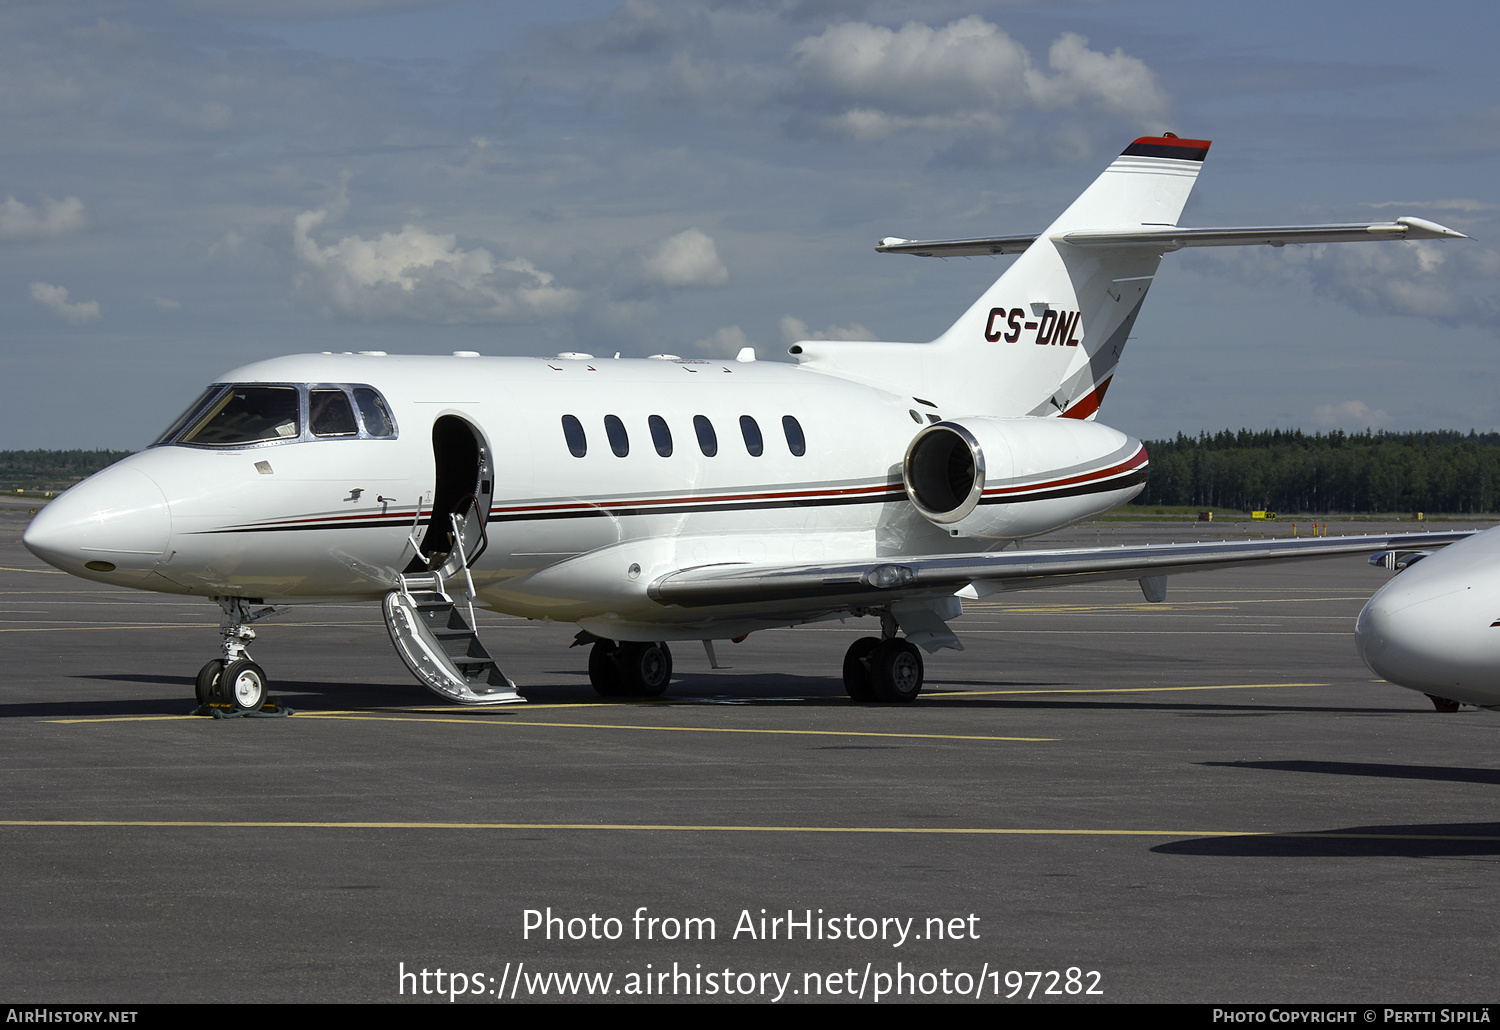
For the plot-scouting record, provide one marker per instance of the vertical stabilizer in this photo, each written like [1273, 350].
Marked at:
[1046, 337]
[1049, 333]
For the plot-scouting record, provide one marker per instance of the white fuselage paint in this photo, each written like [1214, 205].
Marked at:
[572, 539]
[1433, 627]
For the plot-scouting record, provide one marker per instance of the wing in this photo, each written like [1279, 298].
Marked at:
[866, 584]
[1165, 238]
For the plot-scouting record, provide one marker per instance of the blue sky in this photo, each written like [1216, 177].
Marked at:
[189, 185]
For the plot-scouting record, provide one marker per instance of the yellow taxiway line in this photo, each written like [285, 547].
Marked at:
[1116, 690]
[277, 824]
[487, 716]
[524, 723]
[681, 729]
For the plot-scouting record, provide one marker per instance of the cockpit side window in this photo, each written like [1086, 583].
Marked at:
[372, 409]
[329, 413]
[249, 414]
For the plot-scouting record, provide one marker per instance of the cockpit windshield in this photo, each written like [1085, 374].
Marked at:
[249, 414]
[242, 415]
[189, 416]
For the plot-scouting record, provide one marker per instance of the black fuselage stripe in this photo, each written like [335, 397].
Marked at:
[698, 508]
[1100, 487]
[602, 511]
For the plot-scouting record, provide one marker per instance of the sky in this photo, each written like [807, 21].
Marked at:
[190, 185]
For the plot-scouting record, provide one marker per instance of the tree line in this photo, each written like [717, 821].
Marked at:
[1287, 470]
[51, 470]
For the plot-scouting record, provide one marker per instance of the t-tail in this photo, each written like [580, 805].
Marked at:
[1046, 338]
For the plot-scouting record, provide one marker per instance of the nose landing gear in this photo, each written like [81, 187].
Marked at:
[235, 681]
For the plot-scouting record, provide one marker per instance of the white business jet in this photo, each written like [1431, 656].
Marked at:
[1436, 626]
[670, 499]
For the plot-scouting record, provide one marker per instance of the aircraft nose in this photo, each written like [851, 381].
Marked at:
[113, 527]
[1443, 644]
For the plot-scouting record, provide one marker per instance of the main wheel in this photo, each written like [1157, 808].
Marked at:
[604, 669]
[207, 687]
[857, 668]
[646, 667]
[896, 671]
[243, 685]
[1443, 704]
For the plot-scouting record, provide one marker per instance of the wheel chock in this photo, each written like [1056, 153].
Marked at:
[269, 710]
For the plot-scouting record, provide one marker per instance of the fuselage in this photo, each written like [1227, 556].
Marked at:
[598, 476]
[1435, 627]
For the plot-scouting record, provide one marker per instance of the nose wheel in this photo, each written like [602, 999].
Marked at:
[234, 681]
[240, 684]
[243, 685]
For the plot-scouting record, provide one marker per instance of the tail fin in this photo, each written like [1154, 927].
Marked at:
[1046, 337]
[1050, 331]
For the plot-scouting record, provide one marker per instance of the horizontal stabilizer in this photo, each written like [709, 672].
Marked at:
[956, 248]
[1165, 238]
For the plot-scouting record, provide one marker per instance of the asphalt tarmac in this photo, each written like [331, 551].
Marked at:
[1209, 799]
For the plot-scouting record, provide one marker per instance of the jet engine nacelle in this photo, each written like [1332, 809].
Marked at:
[1015, 477]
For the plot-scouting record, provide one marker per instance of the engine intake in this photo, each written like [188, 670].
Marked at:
[1012, 477]
[944, 472]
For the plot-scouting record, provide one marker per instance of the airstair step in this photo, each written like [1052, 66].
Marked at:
[442, 650]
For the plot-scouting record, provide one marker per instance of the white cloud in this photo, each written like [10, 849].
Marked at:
[794, 329]
[686, 259]
[420, 276]
[19, 221]
[1350, 415]
[56, 298]
[729, 340]
[1452, 282]
[227, 246]
[1116, 82]
[966, 76]
[166, 303]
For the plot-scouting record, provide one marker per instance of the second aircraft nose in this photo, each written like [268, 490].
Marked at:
[1442, 644]
[113, 527]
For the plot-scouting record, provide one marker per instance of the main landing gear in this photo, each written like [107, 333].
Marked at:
[630, 668]
[883, 668]
[234, 680]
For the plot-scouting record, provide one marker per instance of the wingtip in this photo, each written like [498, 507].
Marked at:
[1429, 230]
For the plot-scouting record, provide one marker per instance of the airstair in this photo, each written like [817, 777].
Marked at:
[435, 639]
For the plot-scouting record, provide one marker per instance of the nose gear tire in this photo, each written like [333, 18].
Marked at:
[243, 685]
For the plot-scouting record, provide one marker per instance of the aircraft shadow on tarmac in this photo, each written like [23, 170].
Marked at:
[762, 689]
[1414, 840]
[1447, 774]
[301, 696]
[1443, 840]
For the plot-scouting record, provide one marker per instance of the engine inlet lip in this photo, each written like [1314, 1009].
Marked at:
[976, 488]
